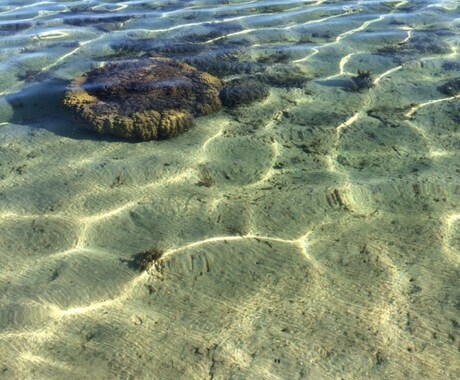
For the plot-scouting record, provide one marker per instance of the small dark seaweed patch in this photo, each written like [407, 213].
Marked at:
[146, 260]
[363, 81]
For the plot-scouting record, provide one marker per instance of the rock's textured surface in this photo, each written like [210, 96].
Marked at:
[143, 99]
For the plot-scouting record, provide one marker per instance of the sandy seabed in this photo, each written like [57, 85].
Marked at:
[314, 235]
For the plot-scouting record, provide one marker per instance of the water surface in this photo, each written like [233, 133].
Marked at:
[311, 235]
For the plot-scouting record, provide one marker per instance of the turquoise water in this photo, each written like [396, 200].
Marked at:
[312, 234]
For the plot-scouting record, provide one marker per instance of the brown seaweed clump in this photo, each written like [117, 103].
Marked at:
[146, 99]
[147, 260]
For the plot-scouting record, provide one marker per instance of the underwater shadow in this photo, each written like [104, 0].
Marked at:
[39, 105]
[342, 83]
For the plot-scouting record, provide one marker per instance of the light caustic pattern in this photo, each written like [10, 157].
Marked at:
[315, 234]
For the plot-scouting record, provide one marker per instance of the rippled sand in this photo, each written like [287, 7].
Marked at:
[314, 235]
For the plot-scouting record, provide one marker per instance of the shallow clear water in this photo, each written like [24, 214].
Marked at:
[314, 234]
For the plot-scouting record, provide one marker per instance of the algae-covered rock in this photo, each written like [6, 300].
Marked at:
[142, 99]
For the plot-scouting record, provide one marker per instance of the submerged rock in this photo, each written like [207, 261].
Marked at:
[231, 62]
[12, 27]
[238, 92]
[451, 88]
[143, 99]
[94, 18]
[285, 75]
